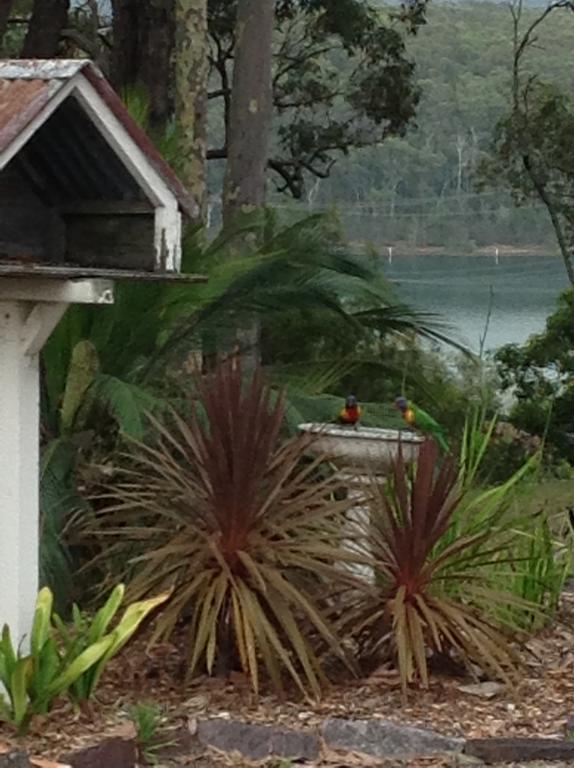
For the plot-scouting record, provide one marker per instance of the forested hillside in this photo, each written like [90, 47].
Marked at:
[419, 191]
[422, 190]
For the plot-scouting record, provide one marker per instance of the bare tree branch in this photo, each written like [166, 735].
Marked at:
[521, 92]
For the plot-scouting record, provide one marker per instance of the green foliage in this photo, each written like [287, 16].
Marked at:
[240, 530]
[62, 661]
[33, 681]
[544, 559]
[59, 502]
[148, 719]
[540, 373]
[85, 634]
[342, 79]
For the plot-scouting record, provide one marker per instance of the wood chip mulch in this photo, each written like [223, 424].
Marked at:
[539, 707]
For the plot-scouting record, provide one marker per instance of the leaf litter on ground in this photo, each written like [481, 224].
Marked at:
[539, 707]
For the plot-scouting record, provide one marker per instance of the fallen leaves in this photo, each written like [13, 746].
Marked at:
[541, 705]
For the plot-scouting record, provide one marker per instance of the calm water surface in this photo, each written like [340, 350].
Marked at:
[525, 289]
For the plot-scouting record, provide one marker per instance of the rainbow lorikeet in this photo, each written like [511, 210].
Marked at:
[351, 413]
[422, 421]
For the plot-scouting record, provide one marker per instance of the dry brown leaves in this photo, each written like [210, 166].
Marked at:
[539, 706]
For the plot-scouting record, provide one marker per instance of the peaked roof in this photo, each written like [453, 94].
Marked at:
[28, 86]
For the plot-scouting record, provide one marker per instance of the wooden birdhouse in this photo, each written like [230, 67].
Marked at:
[83, 191]
[85, 200]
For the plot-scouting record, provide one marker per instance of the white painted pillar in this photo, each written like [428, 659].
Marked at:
[29, 312]
[19, 461]
[358, 519]
[24, 327]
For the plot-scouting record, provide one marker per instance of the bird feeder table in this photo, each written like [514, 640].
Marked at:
[362, 456]
[85, 200]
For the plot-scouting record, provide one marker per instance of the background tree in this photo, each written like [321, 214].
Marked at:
[191, 78]
[540, 374]
[341, 79]
[535, 143]
[47, 21]
[142, 53]
[251, 108]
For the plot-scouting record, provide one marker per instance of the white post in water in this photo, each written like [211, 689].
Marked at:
[29, 312]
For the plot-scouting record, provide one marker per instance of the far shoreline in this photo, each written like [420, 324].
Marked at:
[403, 249]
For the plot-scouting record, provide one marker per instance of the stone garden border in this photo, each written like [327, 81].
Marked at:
[368, 738]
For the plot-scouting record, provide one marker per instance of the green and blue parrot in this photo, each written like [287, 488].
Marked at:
[422, 421]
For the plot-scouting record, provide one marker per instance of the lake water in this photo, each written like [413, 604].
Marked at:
[524, 291]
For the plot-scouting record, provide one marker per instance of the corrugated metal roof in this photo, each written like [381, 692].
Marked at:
[27, 87]
[20, 102]
[41, 69]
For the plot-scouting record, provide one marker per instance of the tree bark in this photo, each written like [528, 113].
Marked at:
[5, 8]
[191, 79]
[144, 38]
[49, 17]
[251, 108]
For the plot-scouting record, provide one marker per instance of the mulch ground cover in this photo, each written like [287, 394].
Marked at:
[541, 705]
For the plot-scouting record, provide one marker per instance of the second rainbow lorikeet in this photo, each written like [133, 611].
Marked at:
[422, 421]
[351, 413]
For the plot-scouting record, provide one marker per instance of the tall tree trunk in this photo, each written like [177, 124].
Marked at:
[49, 17]
[5, 8]
[191, 76]
[144, 36]
[248, 134]
[251, 108]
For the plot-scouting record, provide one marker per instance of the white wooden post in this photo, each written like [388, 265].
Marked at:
[25, 325]
[19, 462]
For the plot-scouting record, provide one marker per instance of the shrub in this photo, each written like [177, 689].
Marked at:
[242, 531]
[54, 668]
[543, 560]
[83, 634]
[148, 719]
[434, 589]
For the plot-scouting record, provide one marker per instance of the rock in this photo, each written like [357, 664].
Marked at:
[487, 690]
[381, 738]
[519, 750]
[111, 753]
[15, 760]
[569, 728]
[257, 742]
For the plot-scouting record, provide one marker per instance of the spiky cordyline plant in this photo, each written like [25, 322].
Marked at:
[430, 595]
[241, 530]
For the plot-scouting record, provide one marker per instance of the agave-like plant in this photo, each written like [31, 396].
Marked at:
[240, 527]
[431, 596]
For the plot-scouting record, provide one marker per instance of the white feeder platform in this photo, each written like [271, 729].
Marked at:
[364, 455]
[372, 448]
